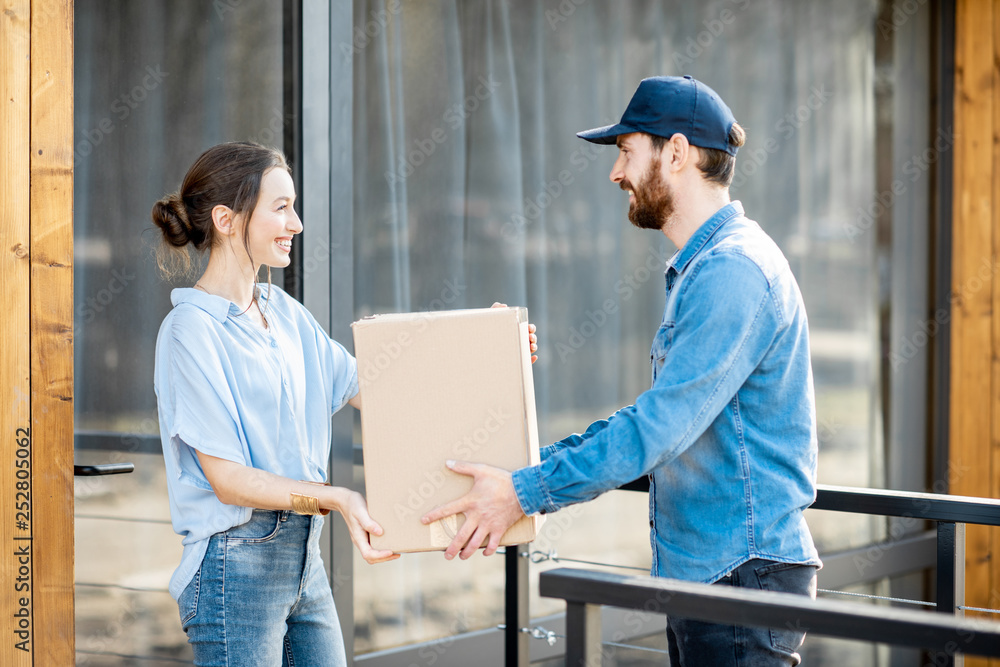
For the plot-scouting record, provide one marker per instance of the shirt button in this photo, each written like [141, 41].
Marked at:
[274, 343]
[650, 523]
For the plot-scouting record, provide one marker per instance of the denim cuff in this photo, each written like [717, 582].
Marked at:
[531, 494]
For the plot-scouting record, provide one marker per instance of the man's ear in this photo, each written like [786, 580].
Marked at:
[676, 152]
[224, 220]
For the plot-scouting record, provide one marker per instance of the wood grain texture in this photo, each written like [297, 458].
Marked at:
[973, 463]
[52, 326]
[15, 382]
[988, 273]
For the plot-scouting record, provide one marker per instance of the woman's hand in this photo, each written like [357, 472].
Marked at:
[532, 338]
[361, 526]
[237, 484]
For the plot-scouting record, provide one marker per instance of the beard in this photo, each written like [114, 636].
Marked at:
[654, 200]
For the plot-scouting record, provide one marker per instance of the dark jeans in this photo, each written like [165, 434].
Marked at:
[699, 644]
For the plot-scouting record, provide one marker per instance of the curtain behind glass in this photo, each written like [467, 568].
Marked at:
[156, 83]
[472, 188]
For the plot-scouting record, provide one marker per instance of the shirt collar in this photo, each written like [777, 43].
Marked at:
[683, 257]
[216, 306]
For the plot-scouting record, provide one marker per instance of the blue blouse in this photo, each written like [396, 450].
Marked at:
[228, 388]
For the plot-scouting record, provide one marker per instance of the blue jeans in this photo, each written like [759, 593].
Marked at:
[261, 597]
[700, 644]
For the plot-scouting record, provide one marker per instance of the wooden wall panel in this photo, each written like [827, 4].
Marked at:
[52, 326]
[974, 461]
[15, 607]
[986, 271]
[36, 251]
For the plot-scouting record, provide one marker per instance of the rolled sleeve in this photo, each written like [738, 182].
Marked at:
[203, 410]
[339, 365]
[345, 379]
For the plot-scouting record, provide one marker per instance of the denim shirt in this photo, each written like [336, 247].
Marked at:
[727, 433]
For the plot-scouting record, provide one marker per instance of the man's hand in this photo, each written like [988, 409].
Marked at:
[490, 508]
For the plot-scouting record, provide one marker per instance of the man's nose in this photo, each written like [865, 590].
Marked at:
[617, 174]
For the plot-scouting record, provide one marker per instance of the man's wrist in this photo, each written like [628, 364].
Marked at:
[530, 493]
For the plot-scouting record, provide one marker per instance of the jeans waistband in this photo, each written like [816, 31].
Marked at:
[281, 515]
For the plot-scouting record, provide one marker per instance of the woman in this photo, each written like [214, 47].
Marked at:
[246, 381]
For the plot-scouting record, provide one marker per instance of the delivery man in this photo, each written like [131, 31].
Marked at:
[727, 432]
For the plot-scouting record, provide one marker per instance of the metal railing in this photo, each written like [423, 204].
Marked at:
[950, 635]
[585, 591]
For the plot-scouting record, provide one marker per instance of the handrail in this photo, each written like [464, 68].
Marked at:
[950, 512]
[888, 502]
[584, 589]
[928, 506]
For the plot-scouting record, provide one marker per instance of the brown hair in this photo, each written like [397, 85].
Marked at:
[228, 174]
[715, 165]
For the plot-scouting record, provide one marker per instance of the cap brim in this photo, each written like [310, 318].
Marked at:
[605, 135]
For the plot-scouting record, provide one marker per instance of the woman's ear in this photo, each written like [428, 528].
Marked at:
[224, 220]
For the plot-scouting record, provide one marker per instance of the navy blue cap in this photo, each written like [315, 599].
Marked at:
[665, 105]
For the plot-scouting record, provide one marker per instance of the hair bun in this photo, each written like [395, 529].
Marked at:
[170, 215]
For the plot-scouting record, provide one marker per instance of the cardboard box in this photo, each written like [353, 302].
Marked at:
[438, 386]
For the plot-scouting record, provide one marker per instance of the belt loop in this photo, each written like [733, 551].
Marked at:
[283, 515]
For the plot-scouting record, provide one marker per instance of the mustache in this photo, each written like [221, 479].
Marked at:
[625, 185]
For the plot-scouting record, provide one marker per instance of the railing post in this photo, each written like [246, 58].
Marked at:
[583, 635]
[950, 570]
[950, 578]
[517, 651]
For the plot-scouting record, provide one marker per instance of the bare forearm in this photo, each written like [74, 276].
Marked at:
[237, 484]
[241, 485]
[355, 401]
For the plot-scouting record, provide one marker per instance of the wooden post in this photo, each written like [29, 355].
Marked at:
[36, 271]
[974, 460]
[52, 329]
[16, 610]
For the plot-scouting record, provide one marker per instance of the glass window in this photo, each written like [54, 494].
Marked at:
[470, 187]
[156, 83]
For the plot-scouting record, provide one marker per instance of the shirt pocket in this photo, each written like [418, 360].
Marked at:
[661, 346]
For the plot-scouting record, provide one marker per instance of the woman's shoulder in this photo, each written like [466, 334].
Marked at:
[191, 317]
